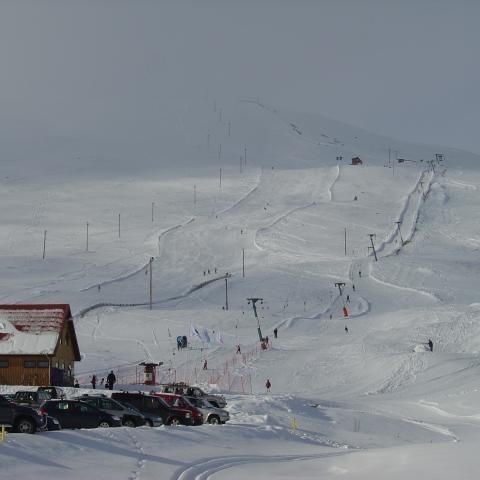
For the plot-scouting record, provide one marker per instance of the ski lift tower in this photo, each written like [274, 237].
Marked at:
[253, 301]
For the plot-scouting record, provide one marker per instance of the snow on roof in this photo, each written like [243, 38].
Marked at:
[31, 329]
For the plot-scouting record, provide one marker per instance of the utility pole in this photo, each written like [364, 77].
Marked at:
[153, 203]
[151, 282]
[340, 285]
[399, 231]
[253, 301]
[87, 237]
[371, 235]
[243, 262]
[44, 243]
[227, 276]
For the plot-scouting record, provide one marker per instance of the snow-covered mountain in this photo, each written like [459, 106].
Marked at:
[289, 222]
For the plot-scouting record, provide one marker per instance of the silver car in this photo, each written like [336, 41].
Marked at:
[210, 413]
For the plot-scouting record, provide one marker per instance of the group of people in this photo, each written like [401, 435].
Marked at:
[111, 380]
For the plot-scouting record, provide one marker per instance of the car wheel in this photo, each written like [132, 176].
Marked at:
[25, 425]
[149, 423]
[104, 424]
[129, 423]
[214, 420]
[174, 421]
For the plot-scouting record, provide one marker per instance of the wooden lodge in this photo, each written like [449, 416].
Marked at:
[38, 345]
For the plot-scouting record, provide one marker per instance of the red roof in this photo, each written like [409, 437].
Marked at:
[37, 318]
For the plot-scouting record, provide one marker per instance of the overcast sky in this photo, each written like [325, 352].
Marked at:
[406, 68]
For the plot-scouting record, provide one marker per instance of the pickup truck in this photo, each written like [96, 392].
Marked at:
[19, 418]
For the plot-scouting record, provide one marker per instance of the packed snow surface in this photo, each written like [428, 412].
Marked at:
[358, 396]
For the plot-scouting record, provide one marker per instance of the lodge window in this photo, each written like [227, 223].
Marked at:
[42, 364]
[3, 363]
[29, 363]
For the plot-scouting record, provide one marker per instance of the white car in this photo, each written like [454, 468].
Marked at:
[211, 414]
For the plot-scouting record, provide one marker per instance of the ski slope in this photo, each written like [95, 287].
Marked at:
[370, 403]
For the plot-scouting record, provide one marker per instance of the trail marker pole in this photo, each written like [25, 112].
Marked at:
[243, 262]
[371, 235]
[87, 237]
[194, 194]
[227, 276]
[220, 177]
[151, 283]
[118, 225]
[345, 240]
[153, 204]
[44, 243]
[245, 156]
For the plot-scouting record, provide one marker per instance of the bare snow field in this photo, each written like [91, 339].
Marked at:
[370, 403]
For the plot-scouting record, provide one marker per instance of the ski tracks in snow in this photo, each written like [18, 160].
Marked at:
[204, 469]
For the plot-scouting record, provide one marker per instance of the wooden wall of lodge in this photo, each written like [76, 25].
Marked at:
[17, 374]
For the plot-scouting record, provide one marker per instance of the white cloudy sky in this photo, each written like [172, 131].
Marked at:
[104, 68]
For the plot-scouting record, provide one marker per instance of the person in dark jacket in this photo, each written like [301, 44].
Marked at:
[430, 345]
[275, 332]
[111, 379]
[268, 385]
[93, 381]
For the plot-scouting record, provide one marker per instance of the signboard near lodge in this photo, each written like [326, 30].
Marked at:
[38, 345]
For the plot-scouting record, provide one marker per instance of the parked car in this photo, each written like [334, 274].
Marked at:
[210, 413]
[54, 392]
[189, 391]
[19, 418]
[177, 401]
[77, 414]
[102, 402]
[33, 399]
[147, 404]
[150, 419]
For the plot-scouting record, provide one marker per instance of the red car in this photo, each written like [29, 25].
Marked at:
[178, 401]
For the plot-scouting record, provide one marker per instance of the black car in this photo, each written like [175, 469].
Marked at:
[102, 402]
[19, 418]
[149, 405]
[150, 419]
[77, 414]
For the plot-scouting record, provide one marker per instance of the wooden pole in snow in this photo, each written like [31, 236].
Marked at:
[44, 243]
[151, 283]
